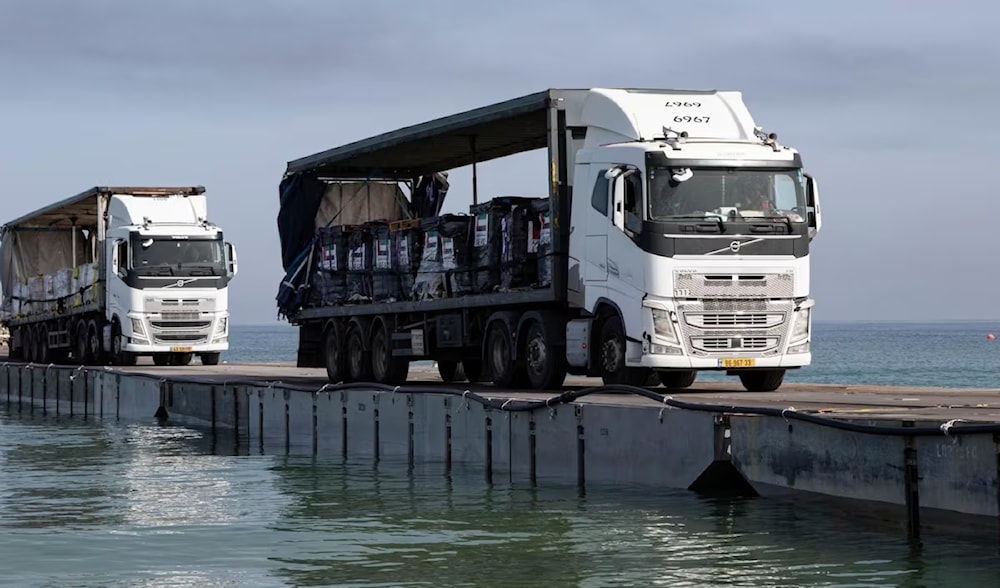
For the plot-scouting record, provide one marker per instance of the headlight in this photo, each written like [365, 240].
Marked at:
[220, 327]
[137, 327]
[801, 328]
[663, 325]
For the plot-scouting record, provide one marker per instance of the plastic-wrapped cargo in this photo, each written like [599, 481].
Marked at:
[63, 284]
[540, 245]
[359, 264]
[407, 246]
[384, 279]
[329, 279]
[490, 239]
[444, 264]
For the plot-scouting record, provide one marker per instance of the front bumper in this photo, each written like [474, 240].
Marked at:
[177, 333]
[713, 363]
[141, 348]
[724, 335]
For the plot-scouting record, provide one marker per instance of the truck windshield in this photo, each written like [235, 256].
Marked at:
[152, 256]
[727, 193]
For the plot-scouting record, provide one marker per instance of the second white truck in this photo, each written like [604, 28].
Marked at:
[115, 273]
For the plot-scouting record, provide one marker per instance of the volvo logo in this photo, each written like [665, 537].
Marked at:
[735, 246]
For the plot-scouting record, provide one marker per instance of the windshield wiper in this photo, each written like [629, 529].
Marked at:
[714, 218]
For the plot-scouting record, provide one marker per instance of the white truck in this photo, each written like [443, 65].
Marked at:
[680, 236]
[115, 273]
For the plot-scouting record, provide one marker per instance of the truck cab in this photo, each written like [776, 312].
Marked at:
[167, 280]
[689, 241]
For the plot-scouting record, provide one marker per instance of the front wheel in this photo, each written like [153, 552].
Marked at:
[118, 355]
[611, 354]
[679, 379]
[762, 380]
[211, 358]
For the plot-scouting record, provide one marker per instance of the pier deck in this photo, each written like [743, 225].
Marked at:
[877, 446]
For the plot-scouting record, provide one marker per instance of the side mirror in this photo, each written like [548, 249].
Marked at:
[119, 258]
[231, 265]
[815, 219]
[618, 202]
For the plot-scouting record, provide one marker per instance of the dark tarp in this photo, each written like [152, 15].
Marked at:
[300, 197]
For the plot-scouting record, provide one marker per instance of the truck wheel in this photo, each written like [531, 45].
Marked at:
[28, 341]
[544, 363]
[682, 379]
[762, 380]
[503, 365]
[611, 354]
[181, 359]
[387, 368]
[118, 355]
[358, 362]
[42, 343]
[451, 371]
[80, 344]
[333, 354]
[211, 358]
[95, 349]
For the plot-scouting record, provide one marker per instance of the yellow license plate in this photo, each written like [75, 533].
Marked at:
[180, 349]
[737, 362]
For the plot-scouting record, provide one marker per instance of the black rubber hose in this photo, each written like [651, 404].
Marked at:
[949, 428]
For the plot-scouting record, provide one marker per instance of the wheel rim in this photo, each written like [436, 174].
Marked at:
[611, 355]
[536, 353]
[95, 342]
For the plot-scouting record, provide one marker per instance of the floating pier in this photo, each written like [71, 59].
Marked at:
[925, 454]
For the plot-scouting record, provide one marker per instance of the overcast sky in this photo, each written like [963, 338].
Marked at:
[892, 105]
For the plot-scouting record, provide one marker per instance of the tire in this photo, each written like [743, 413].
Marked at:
[80, 344]
[762, 380]
[333, 355]
[611, 355]
[358, 361]
[118, 356]
[95, 348]
[386, 368]
[211, 358]
[28, 342]
[42, 343]
[678, 380]
[544, 363]
[181, 359]
[505, 370]
[451, 371]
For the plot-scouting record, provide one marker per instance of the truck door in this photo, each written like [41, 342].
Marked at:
[115, 286]
[596, 263]
[625, 259]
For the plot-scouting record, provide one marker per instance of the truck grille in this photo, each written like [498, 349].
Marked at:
[756, 319]
[752, 328]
